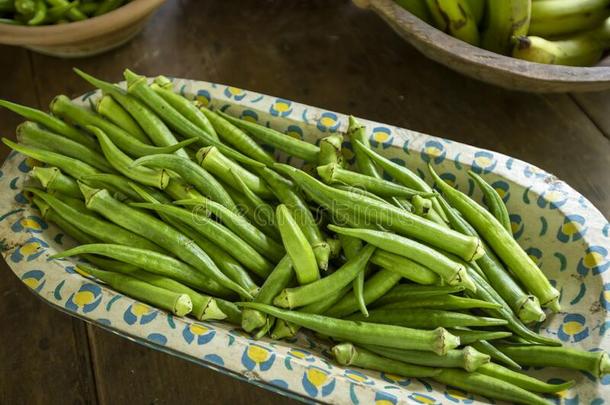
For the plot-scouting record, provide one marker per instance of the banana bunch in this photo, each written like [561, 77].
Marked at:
[583, 49]
[563, 32]
[551, 18]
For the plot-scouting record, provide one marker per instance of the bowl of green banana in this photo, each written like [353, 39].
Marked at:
[526, 45]
[73, 28]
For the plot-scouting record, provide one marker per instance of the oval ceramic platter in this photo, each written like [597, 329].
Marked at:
[558, 227]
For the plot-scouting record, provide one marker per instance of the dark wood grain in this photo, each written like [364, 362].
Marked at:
[324, 53]
[128, 373]
[44, 354]
[596, 105]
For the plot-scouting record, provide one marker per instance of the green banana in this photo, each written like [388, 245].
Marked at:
[504, 21]
[583, 49]
[416, 7]
[560, 17]
[477, 7]
[455, 18]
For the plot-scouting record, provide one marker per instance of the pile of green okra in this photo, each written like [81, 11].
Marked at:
[185, 208]
[47, 12]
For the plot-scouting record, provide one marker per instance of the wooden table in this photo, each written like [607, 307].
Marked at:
[324, 53]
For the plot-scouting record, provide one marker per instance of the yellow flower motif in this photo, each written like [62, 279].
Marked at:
[257, 354]
[593, 259]
[316, 377]
[83, 298]
[483, 161]
[571, 228]
[198, 329]
[140, 309]
[433, 151]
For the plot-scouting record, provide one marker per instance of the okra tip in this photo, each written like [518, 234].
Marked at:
[42, 206]
[445, 341]
[213, 312]
[58, 99]
[462, 278]
[183, 305]
[8, 104]
[326, 172]
[344, 353]
[252, 319]
[283, 330]
[88, 192]
[353, 124]
[474, 359]
[322, 252]
[61, 255]
[554, 305]
[45, 175]
[283, 300]
[531, 311]
[84, 75]
[203, 152]
[132, 77]
[9, 143]
[563, 386]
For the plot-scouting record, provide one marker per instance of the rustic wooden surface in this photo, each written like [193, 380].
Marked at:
[325, 53]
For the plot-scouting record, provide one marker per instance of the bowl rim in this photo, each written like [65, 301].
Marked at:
[221, 96]
[417, 32]
[78, 30]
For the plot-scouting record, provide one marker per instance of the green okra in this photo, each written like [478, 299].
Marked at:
[374, 287]
[405, 267]
[52, 179]
[237, 138]
[192, 173]
[164, 87]
[68, 165]
[502, 242]
[84, 117]
[450, 271]
[238, 224]
[372, 211]
[156, 230]
[322, 288]
[335, 174]
[281, 277]
[297, 246]
[212, 160]
[426, 318]
[108, 108]
[124, 164]
[438, 341]
[220, 235]
[30, 134]
[292, 146]
[445, 302]
[347, 354]
[177, 303]
[137, 86]
[285, 192]
[148, 120]
[467, 358]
